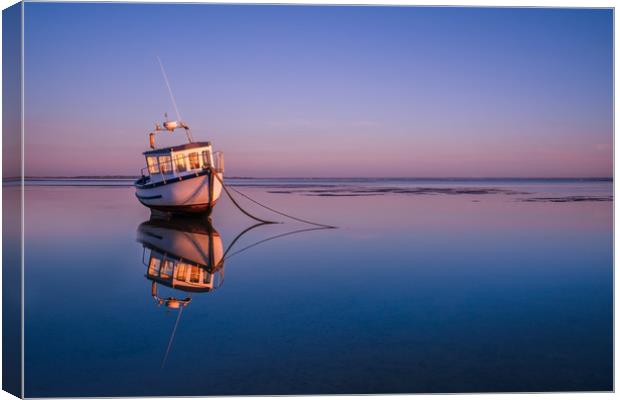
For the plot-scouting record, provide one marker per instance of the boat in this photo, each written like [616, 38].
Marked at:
[187, 178]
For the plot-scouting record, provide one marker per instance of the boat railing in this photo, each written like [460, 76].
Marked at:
[218, 157]
[190, 166]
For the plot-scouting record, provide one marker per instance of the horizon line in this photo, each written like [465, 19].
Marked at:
[609, 178]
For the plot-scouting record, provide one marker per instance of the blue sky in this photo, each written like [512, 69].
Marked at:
[323, 91]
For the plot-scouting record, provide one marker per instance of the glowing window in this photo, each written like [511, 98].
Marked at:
[181, 272]
[165, 165]
[151, 162]
[194, 162]
[154, 264]
[166, 271]
[194, 276]
[179, 163]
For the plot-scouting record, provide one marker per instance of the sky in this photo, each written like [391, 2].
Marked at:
[322, 91]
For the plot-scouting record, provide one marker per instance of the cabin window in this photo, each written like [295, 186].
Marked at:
[206, 158]
[207, 277]
[151, 162]
[154, 264]
[165, 164]
[166, 271]
[194, 162]
[179, 163]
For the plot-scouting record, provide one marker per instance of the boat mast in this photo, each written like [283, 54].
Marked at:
[170, 125]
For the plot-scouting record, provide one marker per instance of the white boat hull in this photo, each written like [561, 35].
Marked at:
[188, 194]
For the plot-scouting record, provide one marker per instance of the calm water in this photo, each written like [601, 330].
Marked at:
[426, 286]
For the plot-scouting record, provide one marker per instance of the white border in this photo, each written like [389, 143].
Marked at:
[475, 3]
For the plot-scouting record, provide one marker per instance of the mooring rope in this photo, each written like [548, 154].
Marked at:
[284, 214]
[305, 221]
[226, 256]
[230, 246]
[264, 221]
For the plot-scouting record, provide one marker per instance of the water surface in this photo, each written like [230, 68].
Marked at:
[426, 286]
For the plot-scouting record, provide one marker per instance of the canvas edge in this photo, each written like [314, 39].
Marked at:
[12, 199]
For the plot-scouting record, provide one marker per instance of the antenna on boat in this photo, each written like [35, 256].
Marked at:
[172, 125]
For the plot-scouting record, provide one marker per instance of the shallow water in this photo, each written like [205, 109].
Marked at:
[463, 286]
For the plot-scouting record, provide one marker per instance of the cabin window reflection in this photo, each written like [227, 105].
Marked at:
[194, 162]
[154, 264]
[195, 275]
[181, 272]
[165, 164]
[151, 162]
[166, 271]
[179, 162]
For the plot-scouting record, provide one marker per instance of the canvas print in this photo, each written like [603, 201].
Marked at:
[233, 199]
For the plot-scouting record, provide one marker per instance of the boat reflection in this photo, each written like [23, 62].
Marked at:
[182, 254]
[187, 255]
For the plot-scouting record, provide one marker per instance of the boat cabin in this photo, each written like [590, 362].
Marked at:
[189, 159]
